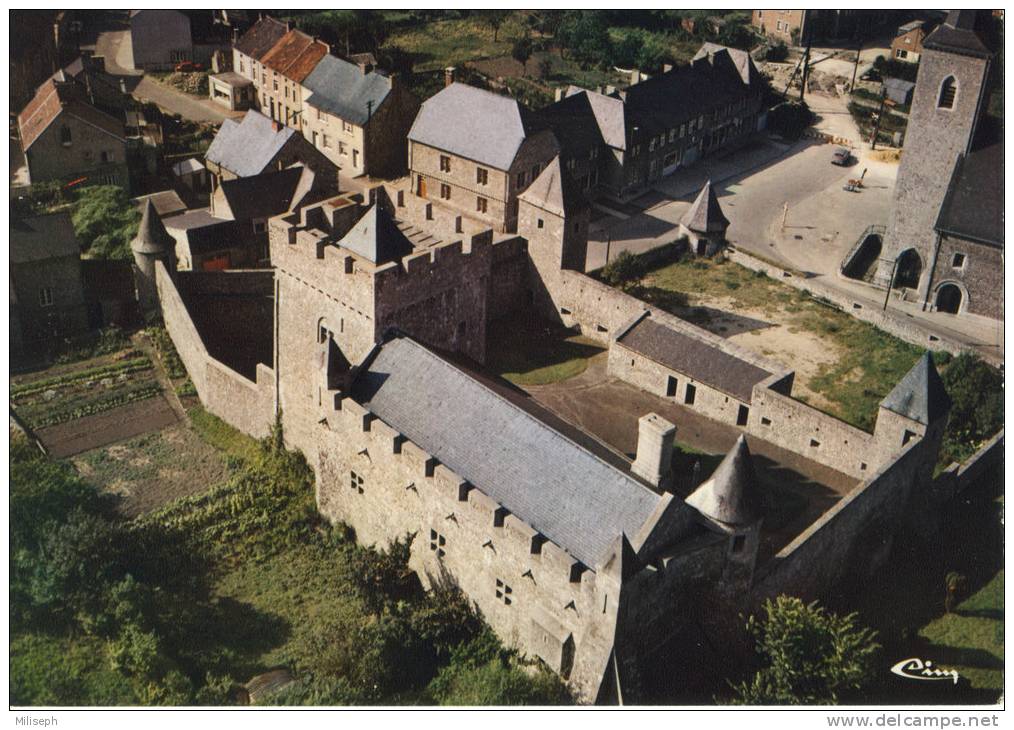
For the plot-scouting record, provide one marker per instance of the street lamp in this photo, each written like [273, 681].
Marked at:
[890, 284]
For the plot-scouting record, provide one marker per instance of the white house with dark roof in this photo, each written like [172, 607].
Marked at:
[474, 151]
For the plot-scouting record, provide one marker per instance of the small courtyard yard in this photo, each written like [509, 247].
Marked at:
[537, 354]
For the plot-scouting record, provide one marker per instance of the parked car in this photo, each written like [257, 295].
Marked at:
[188, 67]
[841, 157]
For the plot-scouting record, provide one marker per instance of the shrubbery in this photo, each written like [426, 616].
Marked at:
[976, 390]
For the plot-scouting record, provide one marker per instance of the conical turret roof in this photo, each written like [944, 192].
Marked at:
[152, 236]
[705, 215]
[730, 496]
[920, 395]
[376, 237]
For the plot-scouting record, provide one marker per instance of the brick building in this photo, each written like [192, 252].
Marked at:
[931, 248]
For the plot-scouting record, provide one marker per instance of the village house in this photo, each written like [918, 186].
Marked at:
[162, 38]
[283, 70]
[907, 44]
[475, 151]
[783, 25]
[619, 141]
[47, 301]
[358, 116]
[65, 138]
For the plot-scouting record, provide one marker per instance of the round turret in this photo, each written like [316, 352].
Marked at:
[152, 243]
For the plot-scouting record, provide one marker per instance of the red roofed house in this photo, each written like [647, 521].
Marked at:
[66, 138]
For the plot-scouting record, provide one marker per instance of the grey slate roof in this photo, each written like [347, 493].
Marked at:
[964, 32]
[973, 207]
[152, 237]
[342, 89]
[554, 190]
[572, 497]
[376, 238]
[705, 215]
[472, 123]
[920, 395]
[248, 147]
[730, 495]
[700, 360]
[744, 64]
[267, 194]
[167, 202]
[42, 237]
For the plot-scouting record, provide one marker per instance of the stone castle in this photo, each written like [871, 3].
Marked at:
[366, 339]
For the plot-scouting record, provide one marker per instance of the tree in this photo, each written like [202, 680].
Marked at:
[521, 52]
[811, 656]
[494, 19]
[624, 268]
[105, 221]
[586, 34]
[976, 391]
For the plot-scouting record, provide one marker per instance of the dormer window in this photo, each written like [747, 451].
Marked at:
[948, 91]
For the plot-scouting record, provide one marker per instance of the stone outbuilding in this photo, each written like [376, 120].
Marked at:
[152, 243]
[705, 224]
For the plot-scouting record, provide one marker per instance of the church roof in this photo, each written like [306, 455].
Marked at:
[920, 395]
[964, 32]
[549, 481]
[376, 237]
[730, 496]
[152, 237]
[554, 191]
[973, 207]
[705, 215]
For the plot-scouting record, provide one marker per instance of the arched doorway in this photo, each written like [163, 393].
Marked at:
[949, 298]
[909, 269]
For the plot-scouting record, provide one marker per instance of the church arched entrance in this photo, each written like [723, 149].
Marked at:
[909, 269]
[949, 298]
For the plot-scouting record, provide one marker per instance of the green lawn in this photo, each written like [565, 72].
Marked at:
[869, 362]
[537, 356]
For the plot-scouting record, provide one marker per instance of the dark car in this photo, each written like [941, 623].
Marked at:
[841, 157]
[188, 66]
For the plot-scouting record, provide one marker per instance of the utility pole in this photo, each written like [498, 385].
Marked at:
[855, 69]
[806, 72]
[880, 115]
[890, 284]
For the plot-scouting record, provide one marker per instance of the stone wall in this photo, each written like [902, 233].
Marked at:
[247, 405]
[980, 277]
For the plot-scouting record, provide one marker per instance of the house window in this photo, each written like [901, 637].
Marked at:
[286, 92]
[683, 130]
[437, 543]
[909, 435]
[635, 151]
[346, 127]
[672, 135]
[593, 153]
[958, 261]
[742, 416]
[948, 91]
[690, 395]
[738, 543]
[503, 592]
[481, 175]
[320, 115]
[327, 141]
[814, 443]
[651, 145]
[445, 191]
[343, 150]
[275, 83]
[570, 164]
[259, 226]
[445, 163]
[45, 297]
[671, 384]
[521, 179]
[356, 482]
[480, 204]
[242, 69]
[901, 53]
[65, 136]
[540, 223]
[535, 171]
[105, 156]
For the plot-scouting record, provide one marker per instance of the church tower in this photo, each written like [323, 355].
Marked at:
[948, 101]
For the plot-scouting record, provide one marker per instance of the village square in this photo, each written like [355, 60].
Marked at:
[353, 365]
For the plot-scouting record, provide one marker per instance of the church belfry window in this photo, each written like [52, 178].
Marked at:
[948, 91]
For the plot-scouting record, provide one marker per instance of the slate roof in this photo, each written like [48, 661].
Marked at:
[267, 194]
[54, 98]
[167, 203]
[188, 166]
[741, 59]
[246, 148]
[964, 32]
[555, 191]
[920, 395]
[701, 360]
[261, 37]
[152, 237]
[376, 237]
[705, 215]
[42, 237]
[973, 207]
[218, 234]
[569, 495]
[730, 495]
[342, 89]
[574, 122]
[473, 123]
[295, 55]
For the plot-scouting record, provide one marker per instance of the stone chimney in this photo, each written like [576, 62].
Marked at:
[655, 437]
[449, 76]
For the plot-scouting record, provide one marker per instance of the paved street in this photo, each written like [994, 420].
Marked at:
[114, 45]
